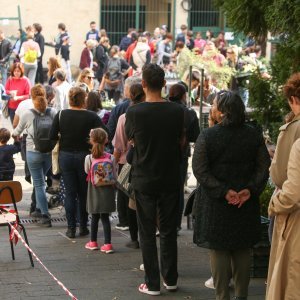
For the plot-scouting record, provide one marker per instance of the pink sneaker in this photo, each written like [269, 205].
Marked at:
[92, 245]
[144, 289]
[107, 248]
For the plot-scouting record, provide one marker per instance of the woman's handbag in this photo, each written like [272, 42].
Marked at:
[55, 164]
[55, 155]
[123, 183]
[5, 112]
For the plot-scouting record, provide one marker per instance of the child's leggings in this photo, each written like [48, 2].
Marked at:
[106, 227]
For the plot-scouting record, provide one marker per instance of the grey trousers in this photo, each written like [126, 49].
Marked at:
[233, 264]
[30, 72]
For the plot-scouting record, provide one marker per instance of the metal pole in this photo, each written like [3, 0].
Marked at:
[190, 86]
[201, 101]
[137, 15]
[19, 17]
[100, 9]
[174, 20]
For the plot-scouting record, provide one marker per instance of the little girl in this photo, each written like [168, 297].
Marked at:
[100, 199]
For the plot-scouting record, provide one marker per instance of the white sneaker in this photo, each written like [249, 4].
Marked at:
[210, 283]
[142, 267]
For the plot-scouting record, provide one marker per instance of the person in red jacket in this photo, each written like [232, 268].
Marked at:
[86, 59]
[18, 87]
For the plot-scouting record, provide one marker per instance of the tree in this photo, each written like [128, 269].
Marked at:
[281, 19]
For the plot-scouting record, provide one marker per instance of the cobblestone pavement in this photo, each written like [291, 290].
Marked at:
[93, 275]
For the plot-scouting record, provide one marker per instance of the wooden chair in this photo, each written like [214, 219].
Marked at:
[11, 193]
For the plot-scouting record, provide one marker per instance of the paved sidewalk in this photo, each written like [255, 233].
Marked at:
[94, 275]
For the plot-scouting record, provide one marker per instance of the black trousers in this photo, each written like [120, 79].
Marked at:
[106, 227]
[122, 205]
[39, 78]
[162, 207]
[133, 226]
[183, 173]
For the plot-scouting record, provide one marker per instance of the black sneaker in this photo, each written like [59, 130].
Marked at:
[70, 233]
[133, 245]
[83, 231]
[45, 221]
[37, 214]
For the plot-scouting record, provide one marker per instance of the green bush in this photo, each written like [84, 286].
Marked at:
[269, 106]
[264, 199]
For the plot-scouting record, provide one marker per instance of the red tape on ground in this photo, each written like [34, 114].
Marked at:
[36, 257]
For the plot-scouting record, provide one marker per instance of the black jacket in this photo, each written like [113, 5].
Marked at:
[5, 50]
[116, 112]
[101, 59]
[229, 158]
[39, 38]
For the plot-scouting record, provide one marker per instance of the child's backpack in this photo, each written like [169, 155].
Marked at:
[30, 56]
[102, 171]
[42, 124]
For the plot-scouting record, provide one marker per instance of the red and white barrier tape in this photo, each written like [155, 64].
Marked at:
[36, 257]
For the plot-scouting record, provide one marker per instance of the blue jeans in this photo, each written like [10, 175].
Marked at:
[72, 169]
[39, 164]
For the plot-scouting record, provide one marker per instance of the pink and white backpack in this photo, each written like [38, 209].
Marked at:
[102, 171]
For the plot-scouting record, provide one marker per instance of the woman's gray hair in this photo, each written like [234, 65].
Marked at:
[133, 80]
[60, 74]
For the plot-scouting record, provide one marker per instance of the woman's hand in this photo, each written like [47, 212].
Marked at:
[232, 197]
[244, 195]
[238, 198]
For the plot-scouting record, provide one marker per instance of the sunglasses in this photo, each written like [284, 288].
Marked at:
[90, 77]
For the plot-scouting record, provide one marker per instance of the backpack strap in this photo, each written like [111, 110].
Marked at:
[34, 111]
[47, 111]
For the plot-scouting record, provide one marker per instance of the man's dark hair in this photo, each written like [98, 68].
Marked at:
[62, 26]
[183, 27]
[232, 107]
[154, 77]
[38, 27]
[134, 36]
[4, 135]
[179, 45]
[176, 92]
[93, 23]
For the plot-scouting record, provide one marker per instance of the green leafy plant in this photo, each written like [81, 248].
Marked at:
[189, 58]
[265, 197]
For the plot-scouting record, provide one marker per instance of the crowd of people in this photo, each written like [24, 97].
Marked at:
[66, 135]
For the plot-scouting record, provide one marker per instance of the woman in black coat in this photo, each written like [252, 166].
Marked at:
[231, 163]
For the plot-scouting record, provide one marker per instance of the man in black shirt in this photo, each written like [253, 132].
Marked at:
[156, 128]
[39, 38]
[5, 52]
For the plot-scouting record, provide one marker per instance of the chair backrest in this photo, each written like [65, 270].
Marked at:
[6, 187]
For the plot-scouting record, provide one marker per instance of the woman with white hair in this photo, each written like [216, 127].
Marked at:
[86, 59]
[61, 100]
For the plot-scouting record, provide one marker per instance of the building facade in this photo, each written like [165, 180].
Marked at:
[116, 16]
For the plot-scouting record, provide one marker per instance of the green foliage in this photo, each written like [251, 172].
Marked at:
[189, 58]
[264, 199]
[281, 18]
[246, 16]
[269, 106]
